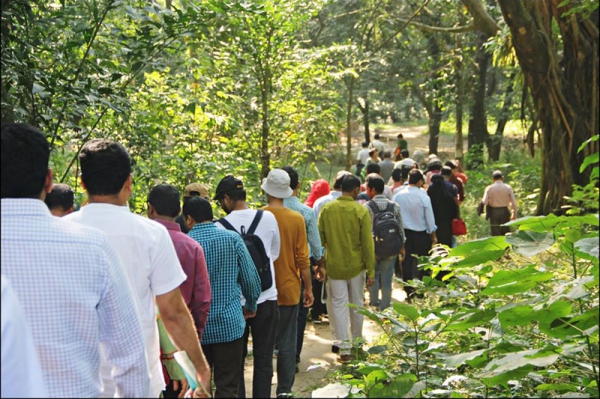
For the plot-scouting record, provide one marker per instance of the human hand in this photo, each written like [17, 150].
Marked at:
[370, 281]
[308, 298]
[249, 314]
[184, 387]
[320, 273]
[514, 216]
[203, 388]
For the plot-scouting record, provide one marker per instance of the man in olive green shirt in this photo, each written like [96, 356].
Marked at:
[345, 228]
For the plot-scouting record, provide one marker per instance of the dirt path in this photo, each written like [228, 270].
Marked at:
[317, 361]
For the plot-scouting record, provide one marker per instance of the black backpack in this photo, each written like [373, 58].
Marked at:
[256, 248]
[386, 231]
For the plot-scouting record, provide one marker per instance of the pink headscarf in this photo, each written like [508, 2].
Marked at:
[319, 188]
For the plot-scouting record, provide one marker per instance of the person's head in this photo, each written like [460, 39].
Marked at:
[437, 183]
[450, 164]
[397, 175]
[60, 200]
[339, 177]
[373, 168]
[105, 168]
[375, 185]
[387, 154]
[25, 155]
[350, 185]
[319, 189]
[405, 171]
[230, 191]
[434, 164]
[404, 153]
[364, 144]
[373, 152]
[163, 202]
[197, 210]
[400, 136]
[446, 172]
[377, 136]
[277, 184]
[415, 177]
[195, 190]
[497, 175]
[293, 173]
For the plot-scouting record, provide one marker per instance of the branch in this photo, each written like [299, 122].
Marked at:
[455, 29]
[481, 19]
[386, 41]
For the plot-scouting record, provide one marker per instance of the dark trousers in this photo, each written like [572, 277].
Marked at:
[499, 216]
[226, 363]
[418, 243]
[263, 327]
[286, 344]
[302, 315]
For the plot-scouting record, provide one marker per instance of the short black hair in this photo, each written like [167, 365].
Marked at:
[377, 136]
[25, 155]
[364, 144]
[415, 176]
[293, 176]
[199, 209]
[373, 168]
[61, 196]
[404, 153]
[397, 174]
[405, 171]
[374, 181]
[165, 200]
[349, 183]
[446, 171]
[105, 166]
[238, 194]
[450, 164]
[339, 177]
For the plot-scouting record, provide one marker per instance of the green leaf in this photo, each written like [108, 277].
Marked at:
[494, 379]
[556, 387]
[589, 160]
[508, 282]
[516, 316]
[398, 388]
[475, 319]
[376, 376]
[406, 310]
[530, 243]
[377, 349]
[588, 246]
[455, 360]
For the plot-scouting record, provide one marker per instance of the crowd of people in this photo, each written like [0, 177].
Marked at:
[100, 301]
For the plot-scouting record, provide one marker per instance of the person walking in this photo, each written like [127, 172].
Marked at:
[56, 266]
[387, 165]
[60, 200]
[232, 274]
[345, 229]
[445, 208]
[498, 197]
[231, 197]
[362, 157]
[419, 226]
[291, 268]
[191, 190]
[148, 256]
[388, 233]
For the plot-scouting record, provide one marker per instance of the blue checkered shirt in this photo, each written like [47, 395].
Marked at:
[75, 295]
[231, 272]
[312, 229]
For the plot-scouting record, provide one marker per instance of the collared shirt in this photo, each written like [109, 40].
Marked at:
[382, 202]
[150, 263]
[310, 220]
[293, 255]
[362, 156]
[195, 290]
[387, 166]
[416, 210]
[75, 296]
[232, 273]
[268, 231]
[376, 143]
[21, 371]
[345, 227]
[318, 205]
[500, 195]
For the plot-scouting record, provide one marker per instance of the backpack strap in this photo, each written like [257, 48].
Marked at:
[390, 207]
[255, 222]
[374, 207]
[227, 225]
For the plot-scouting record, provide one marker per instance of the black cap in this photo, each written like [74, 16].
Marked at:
[228, 183]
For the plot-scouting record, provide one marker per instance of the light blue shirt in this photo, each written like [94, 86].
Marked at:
[318, 205]
[75, 296]
[416, 210]
[310, 220]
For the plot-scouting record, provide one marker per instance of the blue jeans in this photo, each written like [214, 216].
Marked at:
[286, 344]
[263, 328]
[384, 275]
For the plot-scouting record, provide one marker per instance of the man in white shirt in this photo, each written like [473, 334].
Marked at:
[146, 252]
[378, 144]
[231, 197]
[362, 157]
[69, 282]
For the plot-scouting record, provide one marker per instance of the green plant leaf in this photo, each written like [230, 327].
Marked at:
[589, 246]
[589, 160]
[493, 379]
[516, 316]
[455, 360]
[530, 243]
[477, 318]
[408, 311]
[556, 387]
[508, 282]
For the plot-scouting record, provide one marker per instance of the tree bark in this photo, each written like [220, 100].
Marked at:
[478, 133]
[495, 141]
[349, 156]
[563, 84]
[434, 129]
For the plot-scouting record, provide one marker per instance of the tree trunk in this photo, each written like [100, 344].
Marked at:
[265, 158]
[458, 70]
[366, 119]
[349, 156]
[564, 85]
[495, 141]
[478, 133]
[434, 129]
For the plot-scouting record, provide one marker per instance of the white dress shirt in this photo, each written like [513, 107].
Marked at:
[150, 263]
[75, 296]
[416, 209]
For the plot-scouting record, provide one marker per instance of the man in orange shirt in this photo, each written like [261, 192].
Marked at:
[293, 263]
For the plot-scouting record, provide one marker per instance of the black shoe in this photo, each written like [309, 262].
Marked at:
[335, 349]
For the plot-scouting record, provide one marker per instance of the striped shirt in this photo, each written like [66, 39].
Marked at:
[75, 296]
[231, 272]
[312, 229]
